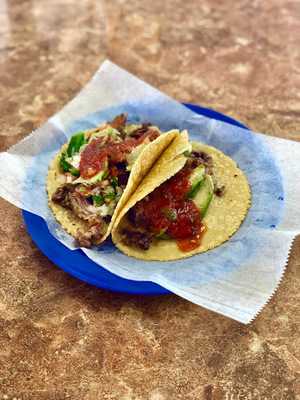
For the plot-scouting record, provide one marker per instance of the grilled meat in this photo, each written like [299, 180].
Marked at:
[90, 237]
[201, 158]
[138, 239]
[69, 197]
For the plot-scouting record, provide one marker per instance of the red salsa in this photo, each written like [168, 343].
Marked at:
[97, 152]
[167, 210]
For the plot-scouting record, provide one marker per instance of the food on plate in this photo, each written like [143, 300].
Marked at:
[96, 172]
[183, 209]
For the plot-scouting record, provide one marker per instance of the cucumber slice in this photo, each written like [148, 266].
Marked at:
[196, 180]
[204, 195]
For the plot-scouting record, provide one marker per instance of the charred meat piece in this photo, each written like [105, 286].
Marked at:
[219, 191]
[67, 196]
[123, 178]
[200, 157]
[132, 216]
[151, 134]
[140, 131]
[61, 195]
[121, 172]
[194, 162]
[142, 240]
[81, 208]
[136, 215]
[119, 122]
[90, 237]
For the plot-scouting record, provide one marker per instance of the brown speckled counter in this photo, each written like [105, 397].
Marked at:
[62, 339]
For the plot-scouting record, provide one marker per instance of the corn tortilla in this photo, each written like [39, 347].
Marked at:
[70, 222]
[223, 219]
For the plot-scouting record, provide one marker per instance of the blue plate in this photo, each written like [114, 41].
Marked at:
[76, 263]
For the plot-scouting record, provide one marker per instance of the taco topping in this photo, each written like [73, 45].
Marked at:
[105, 148]
[96, 169]
[173, 210]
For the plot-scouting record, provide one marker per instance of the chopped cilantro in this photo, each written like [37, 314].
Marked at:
[114, 182]
[170, 214]
[98, 200]
[67, 167]
[110, 196]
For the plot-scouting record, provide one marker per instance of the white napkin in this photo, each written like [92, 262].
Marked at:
[236, 279]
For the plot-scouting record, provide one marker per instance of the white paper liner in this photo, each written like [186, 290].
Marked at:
[236, 279]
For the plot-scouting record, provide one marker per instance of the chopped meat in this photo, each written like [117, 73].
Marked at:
[119, 170]
[140, 131]
[151, 134]
[80, 206]
[136, 215]
[119, 122]
[107, 218]
[68, 197]
[204, 157]
[200, 157]
[90, 237]
[138, 239]
[123, 178]
[219, 191]
[194, 162]
[121, 166]
[132, 215]
[61, 195]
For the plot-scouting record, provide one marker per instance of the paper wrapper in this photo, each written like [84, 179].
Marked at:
[235, 279]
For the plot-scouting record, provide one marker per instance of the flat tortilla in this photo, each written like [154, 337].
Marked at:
[149, 155]
[223, 219]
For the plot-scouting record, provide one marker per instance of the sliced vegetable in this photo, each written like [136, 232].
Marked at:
[196, 180]
[205, 195]
[67, 167]
[75, 143]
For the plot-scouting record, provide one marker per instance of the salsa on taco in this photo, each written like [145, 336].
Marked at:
[97, 171]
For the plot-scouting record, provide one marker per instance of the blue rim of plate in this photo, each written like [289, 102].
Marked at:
[77, 264]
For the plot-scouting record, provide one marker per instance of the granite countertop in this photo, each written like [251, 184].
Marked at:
[63, 339]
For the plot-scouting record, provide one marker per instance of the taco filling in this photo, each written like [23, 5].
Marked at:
[95, 169]
[175, 210]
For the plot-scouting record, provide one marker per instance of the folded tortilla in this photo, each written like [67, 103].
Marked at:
[141, 166]
[222, 220]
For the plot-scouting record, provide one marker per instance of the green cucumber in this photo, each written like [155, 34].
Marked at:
[204, 195]
[196, 180]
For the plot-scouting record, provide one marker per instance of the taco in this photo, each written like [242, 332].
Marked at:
[95, 173]
[181, 210]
